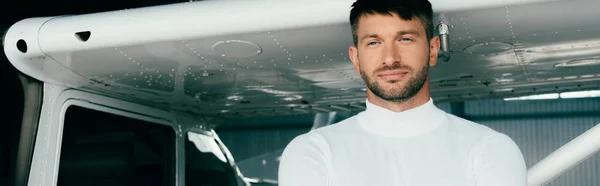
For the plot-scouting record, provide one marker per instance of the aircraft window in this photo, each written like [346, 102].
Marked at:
[205, 162]
[105, 149]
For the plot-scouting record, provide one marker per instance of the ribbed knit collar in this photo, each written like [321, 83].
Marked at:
[408, 123]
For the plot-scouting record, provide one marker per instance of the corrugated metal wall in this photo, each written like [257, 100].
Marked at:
[538, 127]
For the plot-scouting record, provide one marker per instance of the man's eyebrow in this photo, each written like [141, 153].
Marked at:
[407, 32]
[399, 33]
[369, 36]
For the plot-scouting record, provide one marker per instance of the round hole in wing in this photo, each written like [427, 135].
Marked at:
[22, 45]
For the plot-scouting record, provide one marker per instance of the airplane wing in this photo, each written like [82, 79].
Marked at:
[237, 59]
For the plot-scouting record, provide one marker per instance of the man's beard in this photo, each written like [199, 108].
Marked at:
[394, 93]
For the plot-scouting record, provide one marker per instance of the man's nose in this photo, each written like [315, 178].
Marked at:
[391, 55]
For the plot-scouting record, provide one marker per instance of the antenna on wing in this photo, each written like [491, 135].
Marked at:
[443, 33]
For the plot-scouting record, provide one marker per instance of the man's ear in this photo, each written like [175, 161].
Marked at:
[434, 50]
[353, 54]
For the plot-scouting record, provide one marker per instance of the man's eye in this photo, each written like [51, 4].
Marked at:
[372, 43]
[406, 39]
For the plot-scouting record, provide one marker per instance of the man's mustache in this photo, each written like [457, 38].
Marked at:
[394, 66]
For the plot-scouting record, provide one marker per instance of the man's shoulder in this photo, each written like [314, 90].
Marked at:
[318, 139]
[468, 126]
[479, 135]
[478, 132]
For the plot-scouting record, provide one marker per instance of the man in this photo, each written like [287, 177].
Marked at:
[402, 138]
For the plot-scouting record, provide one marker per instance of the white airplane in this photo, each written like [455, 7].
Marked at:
[178, 71]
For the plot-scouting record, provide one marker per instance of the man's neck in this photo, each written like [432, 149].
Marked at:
[419, 99]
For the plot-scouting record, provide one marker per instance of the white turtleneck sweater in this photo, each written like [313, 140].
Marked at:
[423, 146]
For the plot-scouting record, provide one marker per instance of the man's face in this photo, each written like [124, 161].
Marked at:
[393, 55]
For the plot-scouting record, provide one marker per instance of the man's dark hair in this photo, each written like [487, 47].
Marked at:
[405, 9]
